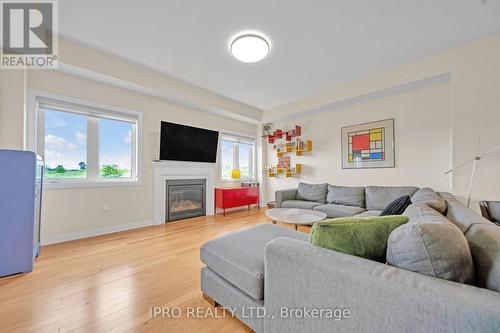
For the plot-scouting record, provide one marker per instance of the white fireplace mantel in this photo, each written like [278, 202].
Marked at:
[167, 170]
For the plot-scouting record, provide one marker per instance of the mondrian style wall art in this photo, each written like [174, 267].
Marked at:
[369, 145]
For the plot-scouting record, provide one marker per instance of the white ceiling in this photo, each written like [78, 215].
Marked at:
[316, 44]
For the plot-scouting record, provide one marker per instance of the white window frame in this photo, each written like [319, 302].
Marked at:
[236, 160]
[35, 137]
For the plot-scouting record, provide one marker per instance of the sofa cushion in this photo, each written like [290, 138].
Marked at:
[397, 207]
[429, 197]
[421, 213]
[378, 197]
[283, 195]
[346, 195]
[299, 204]
[238, 257]
[312, 192]
[363, 237]
[430, 244]
[484, 243]
[483, 238]
[369, 213]
[460, 215]
[339, 210]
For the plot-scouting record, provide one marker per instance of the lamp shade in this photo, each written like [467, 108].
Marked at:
[235, 173]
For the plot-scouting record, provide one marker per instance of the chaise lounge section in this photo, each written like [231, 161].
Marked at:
[234, 272]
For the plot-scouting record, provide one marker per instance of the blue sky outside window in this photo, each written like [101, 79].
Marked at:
[66, 146]
[115, 139]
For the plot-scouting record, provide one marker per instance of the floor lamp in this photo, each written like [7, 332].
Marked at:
[474, 166]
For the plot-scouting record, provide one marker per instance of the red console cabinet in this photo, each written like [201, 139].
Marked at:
[229, 197]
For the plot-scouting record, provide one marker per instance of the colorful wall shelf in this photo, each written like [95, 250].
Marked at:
[303, 146]
[274, 170]
[278, 134]
[292, 143]
[299, 146]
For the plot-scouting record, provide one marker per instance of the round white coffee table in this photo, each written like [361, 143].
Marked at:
[295, 216]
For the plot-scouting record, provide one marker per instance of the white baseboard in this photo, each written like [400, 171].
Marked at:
[94, 232]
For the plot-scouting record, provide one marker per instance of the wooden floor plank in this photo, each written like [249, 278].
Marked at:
[109, 283]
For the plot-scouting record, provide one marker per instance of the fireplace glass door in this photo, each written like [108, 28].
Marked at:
[185, 199]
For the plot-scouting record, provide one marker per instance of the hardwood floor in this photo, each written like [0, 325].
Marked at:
[109, 283]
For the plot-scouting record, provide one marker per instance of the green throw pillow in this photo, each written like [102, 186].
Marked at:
[360, 236]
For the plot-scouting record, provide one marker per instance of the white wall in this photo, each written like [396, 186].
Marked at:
[80, 211]
[422, 137]
[109, 66]
[472, 96]
[12, 104]
[70, 211]
[475, 105]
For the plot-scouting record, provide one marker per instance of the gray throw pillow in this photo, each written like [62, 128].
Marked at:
[429, 197]
[430, 244]
[346, 195]
[312, 192]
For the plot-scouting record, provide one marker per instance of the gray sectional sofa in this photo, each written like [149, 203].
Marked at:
[442, 271]
[341, 201]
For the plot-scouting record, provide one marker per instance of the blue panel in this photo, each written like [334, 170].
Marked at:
[376, 156]
[17, 211]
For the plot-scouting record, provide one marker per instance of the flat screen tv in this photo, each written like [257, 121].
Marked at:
[186, 143]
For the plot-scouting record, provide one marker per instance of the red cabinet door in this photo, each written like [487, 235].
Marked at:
[249, 196]
[235, 197]
[230, 198]
[241, 195]
[252, 195]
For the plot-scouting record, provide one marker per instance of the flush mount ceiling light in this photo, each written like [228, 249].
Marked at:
[249, 48]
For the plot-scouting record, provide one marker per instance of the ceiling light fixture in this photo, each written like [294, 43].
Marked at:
[250, 47]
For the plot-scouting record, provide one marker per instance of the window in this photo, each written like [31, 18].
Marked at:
[86, 145]
[237, 153]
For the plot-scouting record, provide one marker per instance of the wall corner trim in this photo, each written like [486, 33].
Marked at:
[142, 89]
[400, 88]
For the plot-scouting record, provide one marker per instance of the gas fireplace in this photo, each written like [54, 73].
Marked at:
[185, 198]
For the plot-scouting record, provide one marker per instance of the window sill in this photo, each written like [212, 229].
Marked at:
[67, 184]
[235, 180]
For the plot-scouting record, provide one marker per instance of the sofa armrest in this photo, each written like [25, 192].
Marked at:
[283, 195]
[378, 297]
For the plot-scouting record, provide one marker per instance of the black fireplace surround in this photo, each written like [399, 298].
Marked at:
[185, 198]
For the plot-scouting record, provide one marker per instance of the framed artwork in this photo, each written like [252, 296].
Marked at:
[369, 145]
